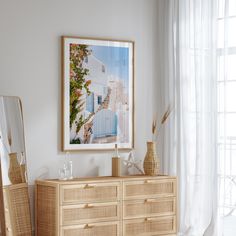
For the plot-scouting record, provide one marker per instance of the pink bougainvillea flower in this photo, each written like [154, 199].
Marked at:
[78, 92]
[73, 44]
[88, 82]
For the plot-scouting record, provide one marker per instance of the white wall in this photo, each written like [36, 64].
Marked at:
[30, 63]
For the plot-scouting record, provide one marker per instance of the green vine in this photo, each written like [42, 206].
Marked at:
[78, 84]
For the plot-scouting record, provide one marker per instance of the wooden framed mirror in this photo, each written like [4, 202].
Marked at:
[15, 216]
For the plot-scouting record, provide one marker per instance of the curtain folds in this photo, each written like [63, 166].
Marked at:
[187, 72]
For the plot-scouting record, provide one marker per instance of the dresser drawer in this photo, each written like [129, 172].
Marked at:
[150, 226]
[96, 229]
[86, 213]
[89, 192]
[149, 188]
[149, 207]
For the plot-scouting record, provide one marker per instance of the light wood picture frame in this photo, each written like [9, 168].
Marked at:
[97, 94]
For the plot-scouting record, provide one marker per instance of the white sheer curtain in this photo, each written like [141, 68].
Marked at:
[187, 71]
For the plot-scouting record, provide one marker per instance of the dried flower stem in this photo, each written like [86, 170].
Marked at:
[166, 115]
[164, 118]
[154, 126]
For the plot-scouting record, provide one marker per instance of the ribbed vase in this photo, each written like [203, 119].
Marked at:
[151, 164]
[14, 171]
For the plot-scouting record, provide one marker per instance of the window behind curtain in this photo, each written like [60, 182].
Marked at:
[226, 65]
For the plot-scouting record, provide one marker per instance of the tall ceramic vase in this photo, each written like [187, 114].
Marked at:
[151, 164]
[14, 171]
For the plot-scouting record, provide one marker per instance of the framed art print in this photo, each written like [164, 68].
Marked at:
[98, 90]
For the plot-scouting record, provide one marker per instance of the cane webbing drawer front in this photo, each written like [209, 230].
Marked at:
[150, 226]
[97, 229]
[149, 207]
[89, 192]
[83, 213]
[149, 188]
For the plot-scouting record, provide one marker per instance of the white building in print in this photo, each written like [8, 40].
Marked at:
[98, 87]
[119, 103]
[105, 120]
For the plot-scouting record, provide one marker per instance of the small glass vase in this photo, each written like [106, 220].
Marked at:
[151, 164]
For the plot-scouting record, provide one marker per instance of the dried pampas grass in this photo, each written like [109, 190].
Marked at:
[166, 115]
[163, 121]
[154, 126]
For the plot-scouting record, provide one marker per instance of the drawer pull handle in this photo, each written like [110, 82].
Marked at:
[148, 181]
[87, 186]
[88, 206]
[150, 200]
[148, 219]
[88, 226]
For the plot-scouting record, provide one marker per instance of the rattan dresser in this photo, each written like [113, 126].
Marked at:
[106, 206]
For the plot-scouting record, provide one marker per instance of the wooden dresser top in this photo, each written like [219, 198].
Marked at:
[105, 178]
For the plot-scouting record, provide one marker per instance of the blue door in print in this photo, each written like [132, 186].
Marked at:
[90, 103]
[105, 124]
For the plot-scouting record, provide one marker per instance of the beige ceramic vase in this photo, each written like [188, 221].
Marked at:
[14, 171]
[151, 164]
